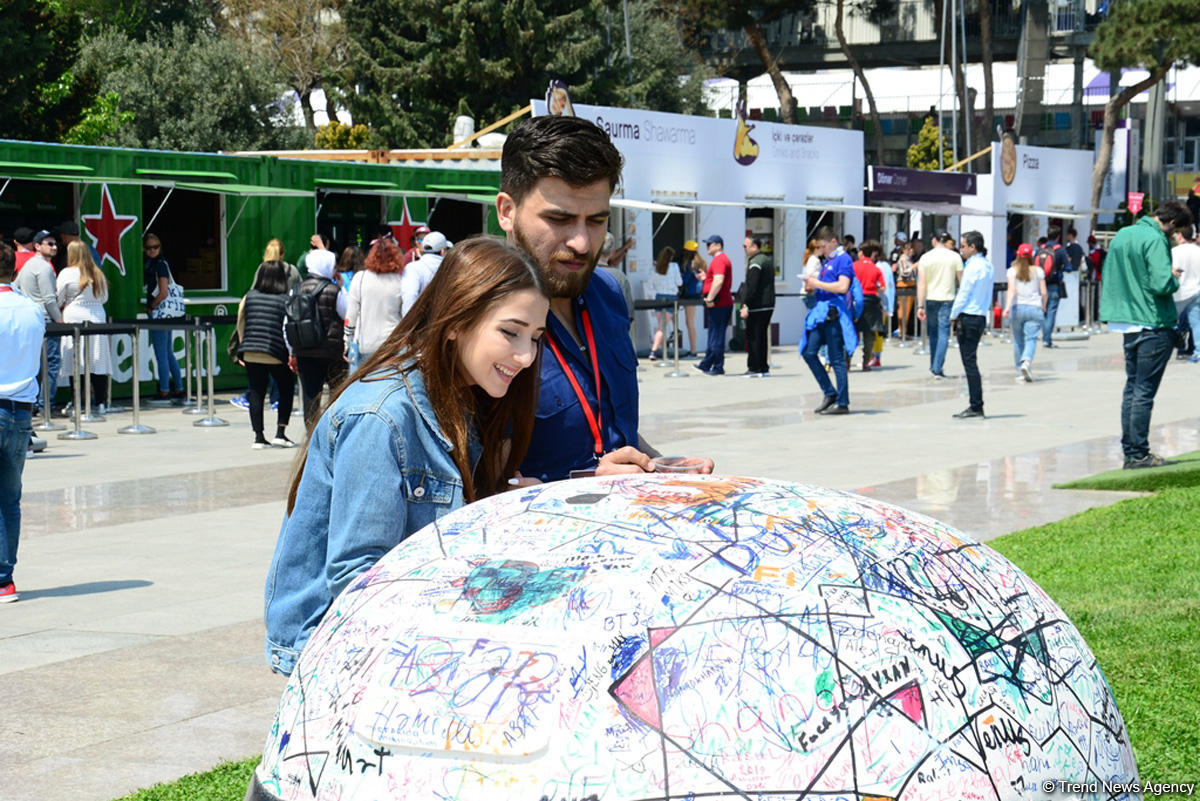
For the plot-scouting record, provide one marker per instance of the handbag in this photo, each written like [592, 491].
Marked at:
[233, 347]
[172, 304]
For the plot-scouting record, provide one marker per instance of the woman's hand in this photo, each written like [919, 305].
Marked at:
[623, 461]
[518, 481]
[292, 365]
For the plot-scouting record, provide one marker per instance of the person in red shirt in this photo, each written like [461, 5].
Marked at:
[870, 322]
[415, 252]
[718, 306]
[23, 236]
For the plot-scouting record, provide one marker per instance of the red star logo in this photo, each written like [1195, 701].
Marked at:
[403, 230]
[106, 230]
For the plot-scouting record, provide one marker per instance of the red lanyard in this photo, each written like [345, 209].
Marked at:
[594, 419]
[5, 288]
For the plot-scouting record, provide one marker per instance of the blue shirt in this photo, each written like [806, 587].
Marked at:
[22, 327]
[562, 440]
[832, 269]
[975, 292]
[378, 468]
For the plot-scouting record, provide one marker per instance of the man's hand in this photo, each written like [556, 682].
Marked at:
[921, 313]
[316, 241]
[744, 313]
[623, 461]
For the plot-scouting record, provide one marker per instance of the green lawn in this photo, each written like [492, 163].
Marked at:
[1184, 474]
[1129, 577]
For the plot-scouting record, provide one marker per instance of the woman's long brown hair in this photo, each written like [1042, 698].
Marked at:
[1023, 268]
[476, 274]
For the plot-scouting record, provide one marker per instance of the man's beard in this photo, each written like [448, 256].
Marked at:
[561, 284]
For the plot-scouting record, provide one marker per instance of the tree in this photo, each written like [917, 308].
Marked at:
[305, 40]
[923, 154]
[750, 18]
[40, 95]
[989, 92]
[412, 61]
[858, 70]
[1151, 34]
[188, 90]
[335, 135]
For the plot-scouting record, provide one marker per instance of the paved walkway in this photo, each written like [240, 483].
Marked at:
[134, 655]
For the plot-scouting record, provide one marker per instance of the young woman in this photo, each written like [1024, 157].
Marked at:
[1025, 300]
[373, 302]
[82, 292]
[663, 285]
[264, 352]
[156, 275]
[440, 415]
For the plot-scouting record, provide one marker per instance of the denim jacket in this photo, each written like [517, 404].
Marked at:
[378, 468]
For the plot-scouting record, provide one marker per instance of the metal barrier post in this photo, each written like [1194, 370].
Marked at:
[923, 335]
[187, 370]
[88, 417]
[47, 423]
[676, 373]
[136, 427]
[198, 339]
[211, 421]
[77, 433]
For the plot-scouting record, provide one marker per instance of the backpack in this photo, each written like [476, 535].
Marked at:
[302, 316]
[1048, 261]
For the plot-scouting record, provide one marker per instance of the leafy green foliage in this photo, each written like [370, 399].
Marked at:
[40, 98]
[335, 135]
[188, 90]
[412, 61]
[1149, 34]
[923, 154]
[1128, 576]
[226, 782]
[100, 120]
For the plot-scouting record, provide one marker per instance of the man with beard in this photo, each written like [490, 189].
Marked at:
[556, 177]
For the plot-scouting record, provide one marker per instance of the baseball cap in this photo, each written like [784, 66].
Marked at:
[901, 237]
[1091, 238]
[691, 245]
[23, 235]
[1024, 251]
[41, 236]
[434, 241]
[715, 238]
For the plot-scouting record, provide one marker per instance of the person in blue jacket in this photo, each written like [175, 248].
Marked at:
[830, 322]
[439, 415]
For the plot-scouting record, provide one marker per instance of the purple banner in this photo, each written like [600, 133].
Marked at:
[901, 181]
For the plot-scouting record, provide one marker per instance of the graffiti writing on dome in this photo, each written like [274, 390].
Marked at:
[673, 638]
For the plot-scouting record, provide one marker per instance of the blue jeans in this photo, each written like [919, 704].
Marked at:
[1053, 293]
[714, 352]
[53, 364]
[1146, 357]
[829, 334]
[1026, 325]
[1190, 313]
[16, 427]
[164, 357]
[937, 320]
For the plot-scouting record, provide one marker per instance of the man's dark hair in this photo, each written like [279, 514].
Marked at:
[1072, 232]
[975, 240]
[825, 233]
[8, 263]
[571, 148]
[1173, 214]
[849, 238]
[870, 249]
[756, 241]
[1041, 241]
[1055, 233]
[1188, 232]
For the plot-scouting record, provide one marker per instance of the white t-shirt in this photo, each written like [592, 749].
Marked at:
[667, 284]
[1029, 292]
[1187, 256]
[941, 267]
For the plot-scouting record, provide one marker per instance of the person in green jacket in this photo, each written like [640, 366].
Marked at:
[1135, 299]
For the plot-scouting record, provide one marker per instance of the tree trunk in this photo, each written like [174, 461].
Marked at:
[787, 103]
[987, 128]
[1104, 154]
[862, 78]
[306, 106]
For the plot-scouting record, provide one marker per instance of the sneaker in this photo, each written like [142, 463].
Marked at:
[653, 357]
[274, 406]
[876, 363]
[717, 371]
[282, 442]
[825, 404]
[940, 377]
[1026, 371]
[1149, 460]
[240, 402]
[836, 410]
[36, 444]
[260, 445]
[8, 593]
[968, 413]
[1195, 359]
